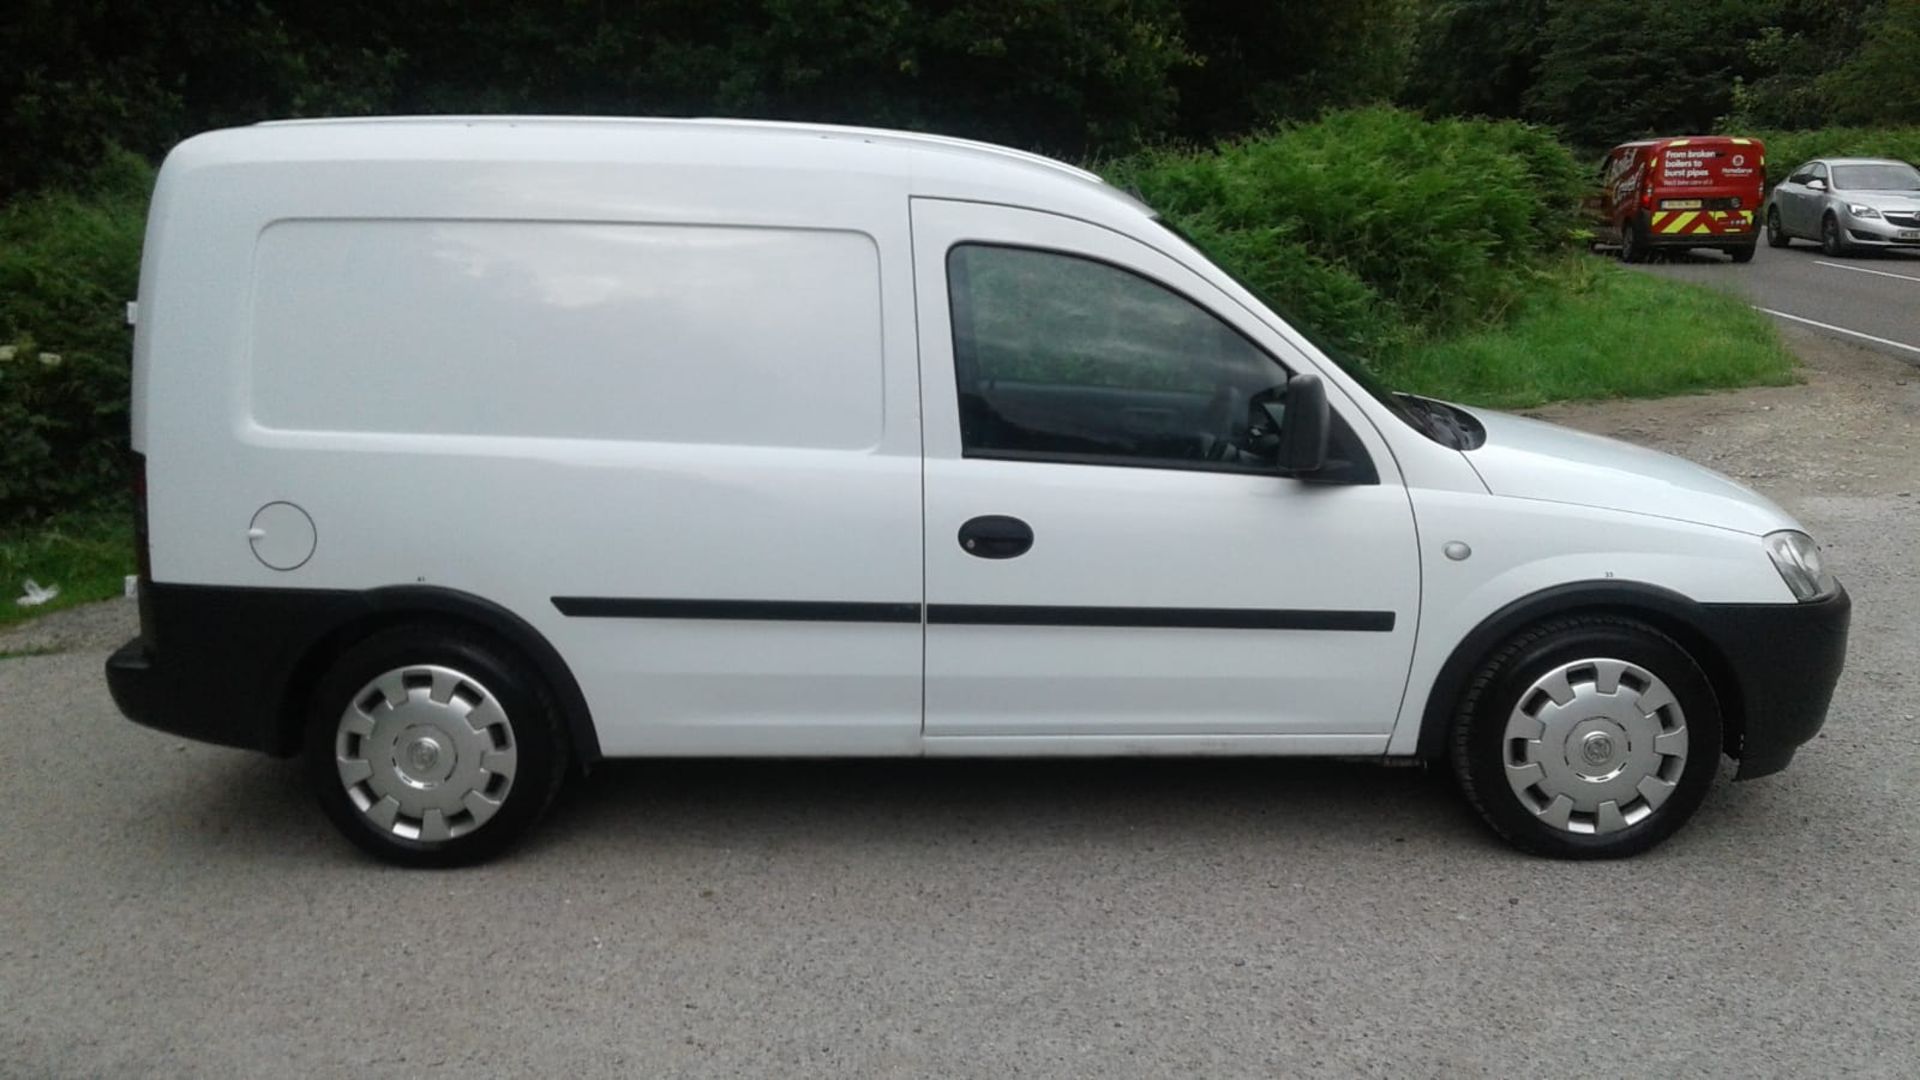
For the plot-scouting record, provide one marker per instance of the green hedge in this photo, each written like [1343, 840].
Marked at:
[1375, 226]
[1786, 149]
[69, 262]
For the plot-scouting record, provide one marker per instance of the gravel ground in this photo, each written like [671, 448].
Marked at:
[174, 909]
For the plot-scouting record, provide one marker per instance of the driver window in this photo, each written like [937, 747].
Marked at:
[1063, 358]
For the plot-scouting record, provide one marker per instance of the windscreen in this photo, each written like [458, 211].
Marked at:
[1891, 176]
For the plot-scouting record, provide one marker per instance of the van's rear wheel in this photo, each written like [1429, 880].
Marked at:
[1633, 246]
[433, 746]
[1587, 737]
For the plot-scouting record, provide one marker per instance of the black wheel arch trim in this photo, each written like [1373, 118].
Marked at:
[1673, 614]
[393, 604]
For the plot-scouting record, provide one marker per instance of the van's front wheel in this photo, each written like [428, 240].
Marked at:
[1588, 737]
[432, 746]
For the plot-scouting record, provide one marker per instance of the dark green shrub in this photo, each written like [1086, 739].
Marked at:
[1785, 149]
[69, 261]
[1373, 225]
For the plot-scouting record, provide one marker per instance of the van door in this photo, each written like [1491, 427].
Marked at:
[1109, 564]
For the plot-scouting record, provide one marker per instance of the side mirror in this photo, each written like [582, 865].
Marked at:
[1816, 185]
[1304, 426]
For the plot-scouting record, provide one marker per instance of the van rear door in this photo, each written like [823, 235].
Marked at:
[1706, 187]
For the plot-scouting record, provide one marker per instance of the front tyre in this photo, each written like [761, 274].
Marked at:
[1587, 737]
[1831, 241]
[433, 746]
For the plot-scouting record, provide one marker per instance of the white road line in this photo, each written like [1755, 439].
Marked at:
[1915, 349]
[1864, 270]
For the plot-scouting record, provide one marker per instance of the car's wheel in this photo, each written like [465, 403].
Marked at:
[1776, 232]
[1591, 736]
[433, 745]
[1831, 241]
[1633, 246]
[1743, 253]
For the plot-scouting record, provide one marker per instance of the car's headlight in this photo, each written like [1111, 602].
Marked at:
[1862, 211]
[1797, 558]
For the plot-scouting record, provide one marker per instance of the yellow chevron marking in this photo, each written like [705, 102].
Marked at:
[1659, 219]
[1680, 221]
[1705, 227]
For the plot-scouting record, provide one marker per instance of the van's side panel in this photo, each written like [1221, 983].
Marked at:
[661, 418]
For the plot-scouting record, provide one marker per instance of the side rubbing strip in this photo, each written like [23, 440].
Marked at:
[611, 607]
[1159, 617]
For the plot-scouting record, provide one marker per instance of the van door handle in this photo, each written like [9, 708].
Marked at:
[996, 536]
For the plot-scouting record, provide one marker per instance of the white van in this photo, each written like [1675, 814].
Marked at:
[478, 450]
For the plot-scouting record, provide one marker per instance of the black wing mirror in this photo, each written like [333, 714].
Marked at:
[1304, 425]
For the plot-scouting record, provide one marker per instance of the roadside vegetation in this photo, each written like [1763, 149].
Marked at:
[87, 553]
[1598, 331]
[1786, 149]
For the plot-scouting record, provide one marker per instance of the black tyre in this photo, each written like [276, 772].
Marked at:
[1633, 245]
[1776, 233]
[1587, 737]
[1831, 241]
[434, 745]
[1743, 253]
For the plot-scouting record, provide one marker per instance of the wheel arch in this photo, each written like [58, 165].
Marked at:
[397, 605]
[1663, 609]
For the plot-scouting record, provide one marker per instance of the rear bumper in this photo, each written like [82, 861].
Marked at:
[1784, 660]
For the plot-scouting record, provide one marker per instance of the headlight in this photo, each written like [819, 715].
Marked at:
[1797, 558]
[1862, 211]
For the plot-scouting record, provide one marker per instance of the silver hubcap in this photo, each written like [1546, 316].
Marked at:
[425, 753]
[1595, 746]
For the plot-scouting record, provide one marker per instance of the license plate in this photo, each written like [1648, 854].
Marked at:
[1910, 234]
[1680, 204]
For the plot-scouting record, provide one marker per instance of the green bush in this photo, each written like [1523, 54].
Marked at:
[1786, 149]
[1374, 226]
[69, 261]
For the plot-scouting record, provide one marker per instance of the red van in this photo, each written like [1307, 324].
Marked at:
[1692, 192]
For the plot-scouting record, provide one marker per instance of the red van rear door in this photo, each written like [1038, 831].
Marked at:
[1706, 187]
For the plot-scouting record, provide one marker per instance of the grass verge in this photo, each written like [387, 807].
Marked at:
[87, 553]
[1591, 330]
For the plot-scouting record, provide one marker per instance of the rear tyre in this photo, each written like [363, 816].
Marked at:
[1831, 241]
[433, 745]
[1587, 737]
[1743, 253]
[1633, 246]
[1776, 233]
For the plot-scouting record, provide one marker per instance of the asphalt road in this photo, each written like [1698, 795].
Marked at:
[1875, 295]
[169, 909]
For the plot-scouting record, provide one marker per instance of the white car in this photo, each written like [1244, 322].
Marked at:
[1848, 205]
[477, 450]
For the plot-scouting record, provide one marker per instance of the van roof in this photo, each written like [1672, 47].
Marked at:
[932, 164]
[1670, 140]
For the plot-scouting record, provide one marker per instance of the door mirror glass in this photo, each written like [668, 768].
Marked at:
[1304, 422]
[1816, 185]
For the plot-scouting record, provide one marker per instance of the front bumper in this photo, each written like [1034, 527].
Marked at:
[1880, 231]
[1784, 660]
